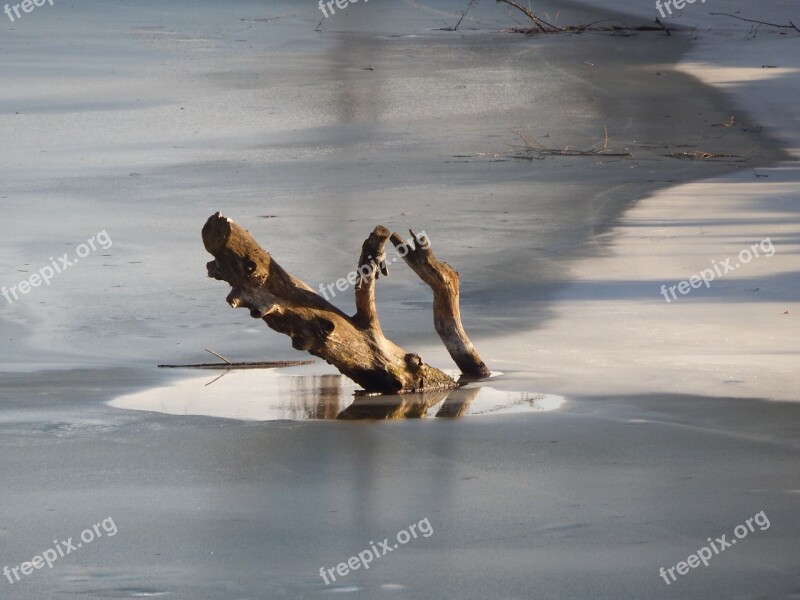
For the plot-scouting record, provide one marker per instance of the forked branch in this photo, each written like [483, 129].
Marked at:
[355, 345]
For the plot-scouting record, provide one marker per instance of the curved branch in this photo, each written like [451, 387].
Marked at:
[372, 254]
[443, 281]
[540, 23]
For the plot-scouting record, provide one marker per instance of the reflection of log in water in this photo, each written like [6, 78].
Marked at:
[328, 388]
[458, 402]
[410, 406]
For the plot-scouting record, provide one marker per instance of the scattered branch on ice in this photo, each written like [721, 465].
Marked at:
[532, 148]
[542, 26]
[470, 4]
[789, 26]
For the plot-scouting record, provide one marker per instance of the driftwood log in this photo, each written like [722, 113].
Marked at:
[355, 345]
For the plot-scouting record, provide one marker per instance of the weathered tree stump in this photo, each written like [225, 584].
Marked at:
[355, 345]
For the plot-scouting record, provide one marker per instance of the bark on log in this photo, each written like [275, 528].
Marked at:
[355, 345]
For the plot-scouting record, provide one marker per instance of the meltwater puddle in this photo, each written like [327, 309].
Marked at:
[267, 395]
